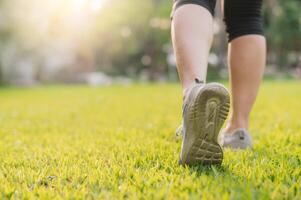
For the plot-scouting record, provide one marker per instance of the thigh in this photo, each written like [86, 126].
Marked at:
[242, 9]
[242, 17]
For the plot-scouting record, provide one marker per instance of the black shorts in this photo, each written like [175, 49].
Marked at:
[242, 17]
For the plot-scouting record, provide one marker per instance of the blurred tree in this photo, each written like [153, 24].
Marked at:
[123, 37]
[135, 33]
[283, 29]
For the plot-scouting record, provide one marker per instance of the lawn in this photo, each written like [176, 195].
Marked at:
[117, 142]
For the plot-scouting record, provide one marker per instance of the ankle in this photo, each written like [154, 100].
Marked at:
[234, 125]
[188, 86]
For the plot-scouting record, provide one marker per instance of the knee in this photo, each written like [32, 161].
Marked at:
[243, 17]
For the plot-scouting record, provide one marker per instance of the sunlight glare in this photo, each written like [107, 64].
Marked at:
[96, 5]
[79, 4]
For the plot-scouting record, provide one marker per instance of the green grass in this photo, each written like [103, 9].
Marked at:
[118, 142]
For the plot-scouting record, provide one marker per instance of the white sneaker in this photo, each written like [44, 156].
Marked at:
[239, 139]
[204, 111]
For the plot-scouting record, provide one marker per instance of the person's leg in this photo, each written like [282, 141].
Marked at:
[205, 106]
[192, 33]
[247, 57]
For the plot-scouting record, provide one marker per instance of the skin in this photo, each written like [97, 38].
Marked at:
[192, 34]
[247, 57]
[192, 41]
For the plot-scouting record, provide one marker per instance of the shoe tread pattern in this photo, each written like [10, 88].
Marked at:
[205, 149]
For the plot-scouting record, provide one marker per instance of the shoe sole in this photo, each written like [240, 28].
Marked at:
[211, 110]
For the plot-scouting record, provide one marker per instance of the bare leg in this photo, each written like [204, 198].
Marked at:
[192, 33]
[247, 57]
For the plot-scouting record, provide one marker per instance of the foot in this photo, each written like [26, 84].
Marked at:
[205, 109]
[238, 139]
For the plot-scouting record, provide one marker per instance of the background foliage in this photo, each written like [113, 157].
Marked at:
[47, 41]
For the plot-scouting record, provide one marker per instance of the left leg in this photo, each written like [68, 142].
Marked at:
[247, 57]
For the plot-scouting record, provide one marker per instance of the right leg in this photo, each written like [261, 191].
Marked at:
[192, 33]
[205, 105]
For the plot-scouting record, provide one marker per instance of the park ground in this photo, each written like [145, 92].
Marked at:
[118, 142]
